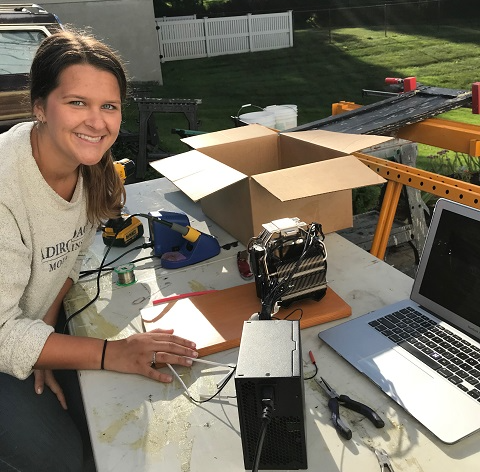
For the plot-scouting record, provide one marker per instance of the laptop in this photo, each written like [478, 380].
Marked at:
[424, 352]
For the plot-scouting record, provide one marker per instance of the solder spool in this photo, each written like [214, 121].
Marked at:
[125, 274]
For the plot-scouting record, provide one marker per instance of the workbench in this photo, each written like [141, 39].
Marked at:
[137, 424]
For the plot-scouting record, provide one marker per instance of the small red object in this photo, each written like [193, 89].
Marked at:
[393, 81]
[476, 98]
[244, 265]
[310, 353]
[409, 83]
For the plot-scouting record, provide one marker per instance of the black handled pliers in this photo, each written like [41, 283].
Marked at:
[334, 404]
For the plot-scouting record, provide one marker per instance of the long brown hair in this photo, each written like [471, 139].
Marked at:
[105, 190]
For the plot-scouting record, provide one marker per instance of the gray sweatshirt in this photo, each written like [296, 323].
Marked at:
[43, 239]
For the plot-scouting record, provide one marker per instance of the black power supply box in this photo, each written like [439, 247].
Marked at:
[270, 372]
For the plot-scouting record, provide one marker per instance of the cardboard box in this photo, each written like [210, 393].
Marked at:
[251, 175]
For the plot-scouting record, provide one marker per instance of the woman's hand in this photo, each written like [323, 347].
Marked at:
[46, 377]
[135, 354]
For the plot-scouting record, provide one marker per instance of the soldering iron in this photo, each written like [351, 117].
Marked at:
[191, 246]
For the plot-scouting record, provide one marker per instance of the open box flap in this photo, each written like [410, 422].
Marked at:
[196, 174]
[228, 136]
[343, 142]
[319, 178]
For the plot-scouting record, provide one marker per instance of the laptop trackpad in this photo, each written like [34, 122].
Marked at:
[421, 394]
[396, 375]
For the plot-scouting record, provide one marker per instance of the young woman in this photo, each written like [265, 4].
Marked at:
[57, 184]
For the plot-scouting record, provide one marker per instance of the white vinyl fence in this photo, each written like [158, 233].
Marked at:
[189, 39]
[177, 18]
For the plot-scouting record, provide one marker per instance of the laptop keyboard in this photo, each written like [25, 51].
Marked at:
[436, 346]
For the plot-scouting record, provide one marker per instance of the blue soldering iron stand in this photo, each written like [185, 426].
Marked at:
[173, 248]
[205, 247]
[162, 237]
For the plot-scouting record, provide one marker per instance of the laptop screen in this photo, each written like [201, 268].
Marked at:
[448, 277]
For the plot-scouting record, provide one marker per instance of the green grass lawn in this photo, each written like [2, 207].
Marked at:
[320, 69]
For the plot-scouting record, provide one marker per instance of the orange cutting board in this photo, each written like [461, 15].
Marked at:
[214, 321]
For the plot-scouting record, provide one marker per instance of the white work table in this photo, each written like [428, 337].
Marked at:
[137, 424]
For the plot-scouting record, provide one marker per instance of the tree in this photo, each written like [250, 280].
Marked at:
[178, 7]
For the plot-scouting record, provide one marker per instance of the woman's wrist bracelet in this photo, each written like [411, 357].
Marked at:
[103, 354]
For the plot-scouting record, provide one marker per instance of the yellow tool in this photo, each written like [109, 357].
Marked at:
[125, 168]
[125, 229]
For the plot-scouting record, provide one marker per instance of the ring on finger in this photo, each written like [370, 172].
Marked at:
[153, 364]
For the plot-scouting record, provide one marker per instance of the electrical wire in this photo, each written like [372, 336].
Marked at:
[258, 452]
[99, 272]
[107, 268]
[292, 312]
[282, 286]
[312, 358]
[278, 288]
[94, 299]
[219, 387]
[266, 419]
[313, 375]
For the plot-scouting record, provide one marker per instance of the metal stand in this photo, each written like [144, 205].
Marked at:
[399, 175]
[146, 108]
[410, 227]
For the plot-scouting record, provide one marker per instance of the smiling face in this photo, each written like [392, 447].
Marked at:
[81, 116]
